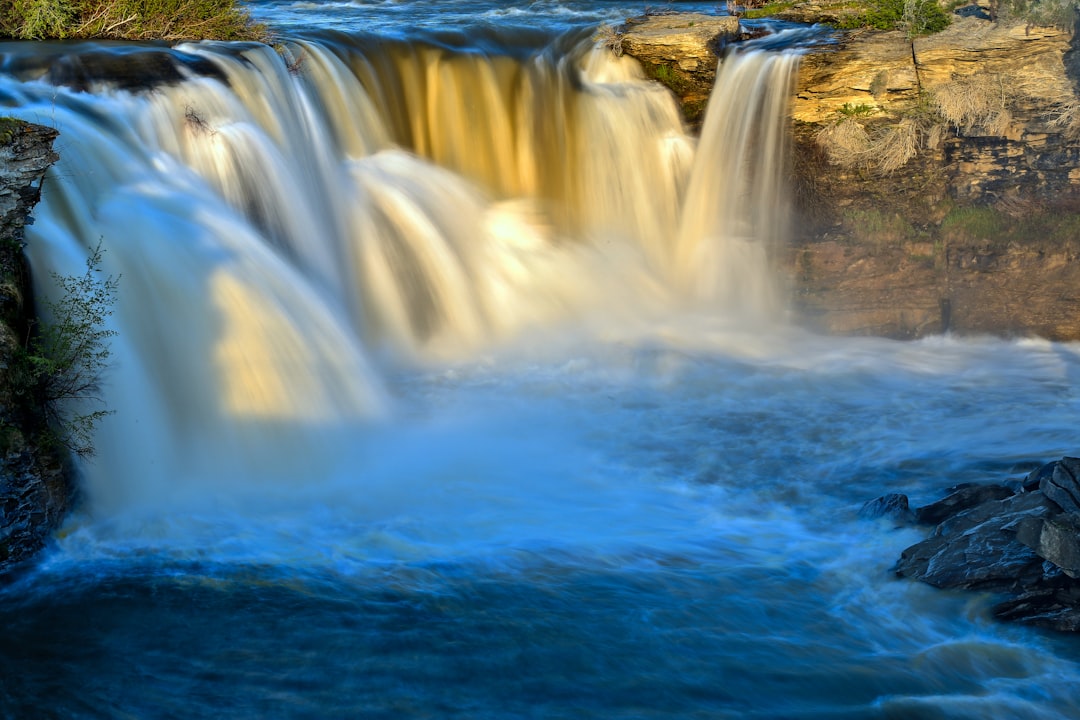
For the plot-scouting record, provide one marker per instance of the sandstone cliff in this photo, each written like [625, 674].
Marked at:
[937, 181]
[977, 230]
[35, 489]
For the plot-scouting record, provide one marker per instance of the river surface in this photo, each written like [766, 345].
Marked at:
[454, 380]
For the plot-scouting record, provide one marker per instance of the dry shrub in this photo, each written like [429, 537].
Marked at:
[976, 103]
[846, 143]
[1065, 117]
[883, 149]
[898, 144]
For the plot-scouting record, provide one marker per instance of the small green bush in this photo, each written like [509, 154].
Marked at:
[915, 17]
[63, 361]
[1046, 13]
[127, 19]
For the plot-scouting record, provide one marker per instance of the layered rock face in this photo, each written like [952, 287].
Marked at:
[977, 229]
[679, 50]
[35, 489]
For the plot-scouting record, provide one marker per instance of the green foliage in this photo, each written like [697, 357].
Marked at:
[127, 19]
[915, 17]
[973, 224]
[768, 10]
[877, 228]
[1047, 13]
[64, 359]
[857, 111]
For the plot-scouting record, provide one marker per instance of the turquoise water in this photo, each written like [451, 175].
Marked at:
[404, 434]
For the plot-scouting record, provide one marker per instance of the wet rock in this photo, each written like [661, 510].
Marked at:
[963, 498]
[1034, 478]
[1026, 544]
[1053, 608]
[1056, 540]
[893, 506]
[1063, 486]
[976, 550]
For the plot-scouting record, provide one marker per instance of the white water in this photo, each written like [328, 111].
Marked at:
[528, 386]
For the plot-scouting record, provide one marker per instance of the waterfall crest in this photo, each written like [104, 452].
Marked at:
[281, 218]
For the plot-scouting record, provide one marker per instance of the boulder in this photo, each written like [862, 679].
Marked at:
[961, 499]
[976, 550]
[1055, 539]
[1026, 544]
[1063, 485]
[893, 506]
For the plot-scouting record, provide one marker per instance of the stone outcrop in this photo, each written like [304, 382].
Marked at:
[977, 232]
[1022, 541]
[35, 488]
[680, 50]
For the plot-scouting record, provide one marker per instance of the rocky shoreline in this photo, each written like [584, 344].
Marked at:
[1021, 540]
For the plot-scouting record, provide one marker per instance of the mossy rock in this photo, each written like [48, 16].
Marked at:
[9, 129]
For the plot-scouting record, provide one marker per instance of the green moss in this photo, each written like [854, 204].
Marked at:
[877, 228]
[675, 79]
[974, 224]
[9, 128]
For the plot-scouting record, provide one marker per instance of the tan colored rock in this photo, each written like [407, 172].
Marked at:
[871, 69]
[680, 51]
[686, 40]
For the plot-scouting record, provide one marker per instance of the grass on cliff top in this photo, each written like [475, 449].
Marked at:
[171, 20]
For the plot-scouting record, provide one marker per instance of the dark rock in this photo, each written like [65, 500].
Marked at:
[963, 498]
[1056, 539]
[35, 483]
[976, 550]
[1033, 481]
[893, 506]
[1053, 608]
[1063, 486]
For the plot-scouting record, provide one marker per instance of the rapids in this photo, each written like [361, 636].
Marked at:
[453, 379]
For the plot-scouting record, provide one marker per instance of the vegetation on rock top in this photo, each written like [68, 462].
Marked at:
[171, 20]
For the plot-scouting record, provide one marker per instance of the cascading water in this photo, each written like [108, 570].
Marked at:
[452, 382]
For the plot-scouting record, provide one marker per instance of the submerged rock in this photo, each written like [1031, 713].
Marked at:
[1026, 544]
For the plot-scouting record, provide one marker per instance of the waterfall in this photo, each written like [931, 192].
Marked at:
[284, 224]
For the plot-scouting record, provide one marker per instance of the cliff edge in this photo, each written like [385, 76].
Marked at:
[35, 483]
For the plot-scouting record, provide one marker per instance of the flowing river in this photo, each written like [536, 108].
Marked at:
[454, 379]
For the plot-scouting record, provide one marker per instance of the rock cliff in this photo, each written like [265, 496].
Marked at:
[937, 180]
[939, 183]
[35, 487]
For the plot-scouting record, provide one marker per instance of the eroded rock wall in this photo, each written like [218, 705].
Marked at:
[979, 231]
[35, 488]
